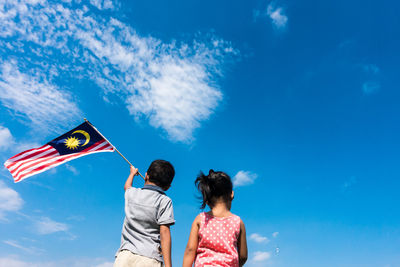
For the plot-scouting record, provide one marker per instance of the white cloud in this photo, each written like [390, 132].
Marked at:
[259, 238]
[173, 85]
[371, 87]
[46, 226]
[102, 4]
[10, 200]
[10, 261]
[279, 20]
[72, 169]
[22, 146]
[15, 261]
[105, 264]
[30, 250]
[349, 183]
[371, 84]
[371, 68]
[275, 234]
[244, 178]
[37, 100]
[77, 218]
[6, 139]
[261, 256]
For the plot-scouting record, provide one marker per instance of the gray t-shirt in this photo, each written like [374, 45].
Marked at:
[145, 210]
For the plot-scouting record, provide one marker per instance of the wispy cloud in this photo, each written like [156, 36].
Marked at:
[105, 264]
[46, 226]
[259, 238]
[77, 218]
[102, 4]
[261, 256]
[371, 68]
[370, 87]
[172, 85]
[15, 261]
[274, 13]
[349, 183]
[28, 249]
[34, 98]
[8, 142]
[24, 145]
[243, 178]
[275, 234]
[10, 200]
[278, 18]
[6, 138]
[72, 169]
[372, 84]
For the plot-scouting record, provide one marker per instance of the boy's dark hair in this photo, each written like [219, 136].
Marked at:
[213, 186]
[161, 172]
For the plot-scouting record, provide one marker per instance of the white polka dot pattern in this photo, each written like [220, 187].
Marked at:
[218, 241]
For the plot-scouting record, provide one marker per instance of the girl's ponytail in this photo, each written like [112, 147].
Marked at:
[203, 184]
[212, 186]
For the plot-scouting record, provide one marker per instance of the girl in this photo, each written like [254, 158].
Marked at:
[217, 237]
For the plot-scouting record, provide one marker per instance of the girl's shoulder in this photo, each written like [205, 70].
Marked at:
[201, 217]
[209, 216]
[236, 218]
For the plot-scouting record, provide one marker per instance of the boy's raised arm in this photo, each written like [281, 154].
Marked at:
[165, 236]
[129, 180]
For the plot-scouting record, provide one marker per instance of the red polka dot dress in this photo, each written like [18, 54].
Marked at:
[218, 238]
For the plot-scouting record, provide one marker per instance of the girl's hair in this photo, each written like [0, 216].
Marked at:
[213, 186]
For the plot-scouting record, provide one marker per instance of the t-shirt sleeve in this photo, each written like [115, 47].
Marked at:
[166, 213]
[129, 192]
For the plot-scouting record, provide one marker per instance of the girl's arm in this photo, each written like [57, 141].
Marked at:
[242, 245]
[129, 180]
[191, 247]
[165, 236]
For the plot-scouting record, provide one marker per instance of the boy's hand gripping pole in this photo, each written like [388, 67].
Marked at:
[111, 145]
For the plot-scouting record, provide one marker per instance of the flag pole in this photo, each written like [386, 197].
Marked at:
[111, 145]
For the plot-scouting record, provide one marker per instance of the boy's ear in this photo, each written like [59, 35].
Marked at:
[232, 195]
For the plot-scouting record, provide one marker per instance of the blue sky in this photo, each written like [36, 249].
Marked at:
[298, 101]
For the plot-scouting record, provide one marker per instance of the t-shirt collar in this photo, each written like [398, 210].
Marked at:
[154, 188]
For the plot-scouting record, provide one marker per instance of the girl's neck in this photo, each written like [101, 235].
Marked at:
[221, 209]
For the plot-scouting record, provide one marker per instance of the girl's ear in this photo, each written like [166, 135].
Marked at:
[232, 195]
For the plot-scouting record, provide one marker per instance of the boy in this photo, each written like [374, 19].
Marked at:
[146, 237]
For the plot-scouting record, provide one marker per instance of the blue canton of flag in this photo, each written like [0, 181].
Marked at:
[76, 140]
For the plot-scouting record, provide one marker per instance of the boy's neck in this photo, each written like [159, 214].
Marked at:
[150, 183]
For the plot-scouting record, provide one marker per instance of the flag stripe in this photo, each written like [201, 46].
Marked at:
[23, 155]
[36, 162]
[16, 165]
[54, 165]
[13, 158]
[45, 161]
[39, 159]
[98, 147]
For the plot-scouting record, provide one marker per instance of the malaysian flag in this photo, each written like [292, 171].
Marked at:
[80, 141]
